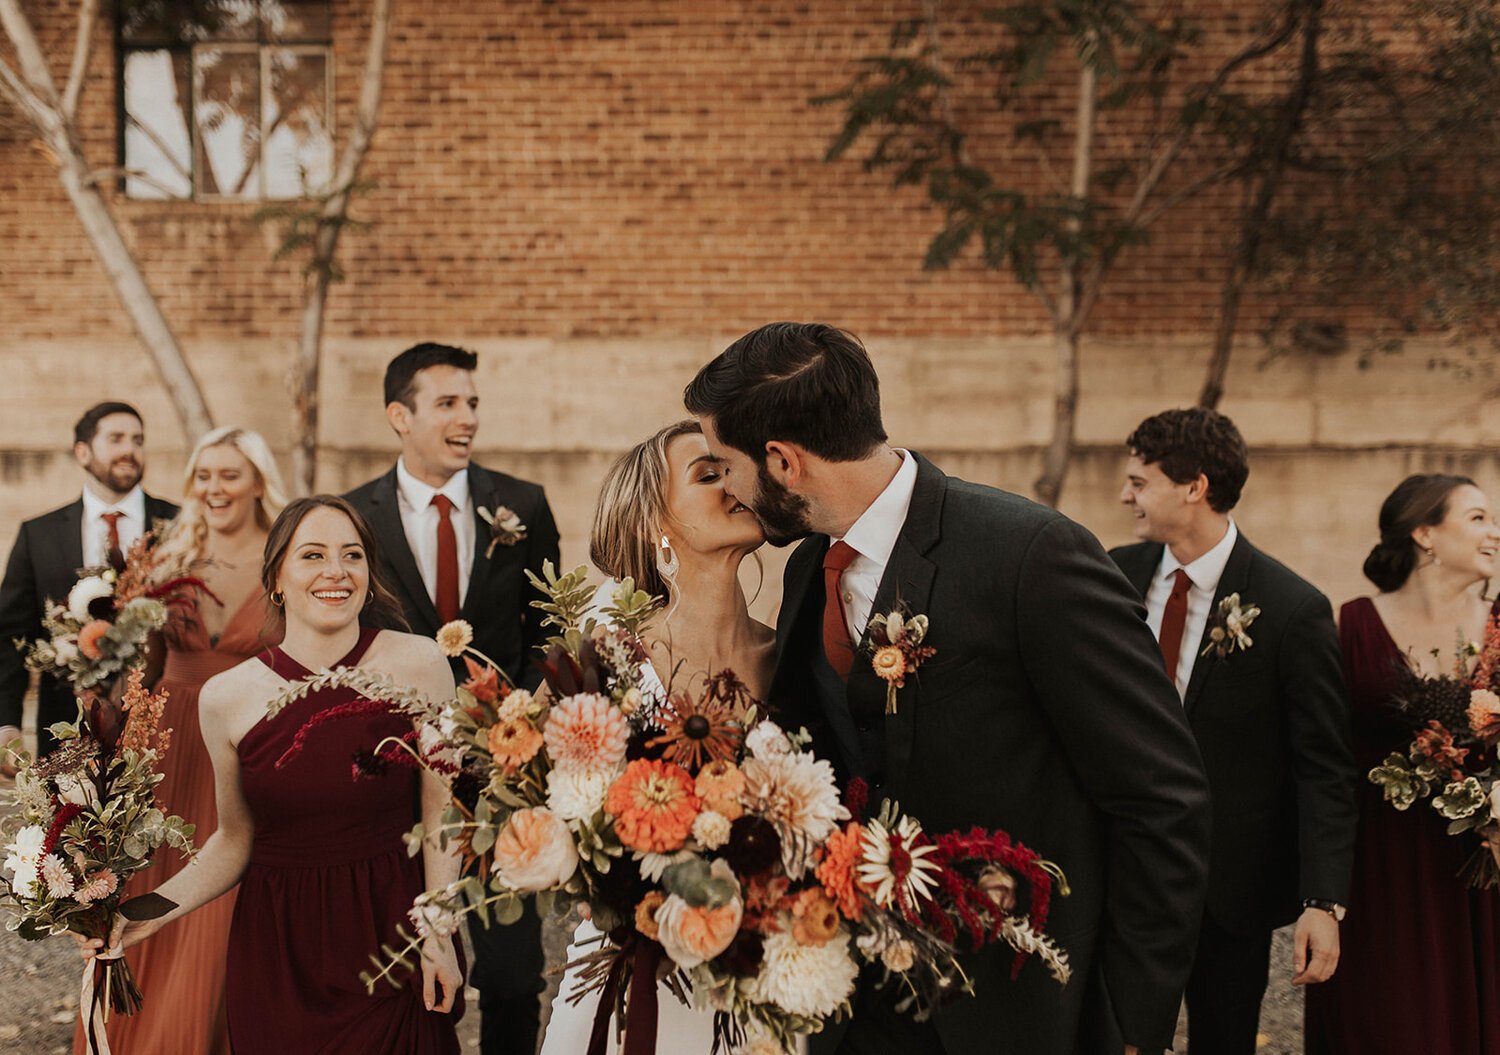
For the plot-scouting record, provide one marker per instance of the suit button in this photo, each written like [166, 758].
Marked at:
[863, 727]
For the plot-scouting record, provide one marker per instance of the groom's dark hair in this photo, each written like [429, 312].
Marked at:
[803, 382]
[1184, 443]
[401, 373]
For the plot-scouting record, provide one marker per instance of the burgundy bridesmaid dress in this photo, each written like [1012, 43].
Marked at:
[328, 882]
[1419, 958]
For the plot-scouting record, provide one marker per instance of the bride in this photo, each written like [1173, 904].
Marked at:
[665, 520]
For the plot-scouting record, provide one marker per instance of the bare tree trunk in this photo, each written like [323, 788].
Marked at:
[1071, 308]
[1252, 224]
[35, 95]
[325, 244]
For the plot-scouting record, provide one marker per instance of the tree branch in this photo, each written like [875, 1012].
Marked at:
[88, 19]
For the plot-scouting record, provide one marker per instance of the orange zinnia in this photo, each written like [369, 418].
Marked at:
[513, 743]
[654, 806]
[836, 871]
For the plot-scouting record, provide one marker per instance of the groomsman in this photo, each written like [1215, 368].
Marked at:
[99, 528]
[1269, 712]
[457, 540]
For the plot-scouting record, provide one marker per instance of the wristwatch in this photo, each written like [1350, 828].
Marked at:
[1333, 908]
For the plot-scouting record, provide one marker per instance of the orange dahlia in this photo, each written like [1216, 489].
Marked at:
[836, 871]
[513, 743]
[654, 806]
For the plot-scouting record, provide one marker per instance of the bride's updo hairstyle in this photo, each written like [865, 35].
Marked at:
[632, 509]
[381, 606]
[1417, 501]
[182, 543]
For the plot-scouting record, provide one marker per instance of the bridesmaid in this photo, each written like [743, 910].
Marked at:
[324, 875]
[1419, 968]
[231, 493]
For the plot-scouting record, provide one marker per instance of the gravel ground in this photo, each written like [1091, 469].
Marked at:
[39, 997]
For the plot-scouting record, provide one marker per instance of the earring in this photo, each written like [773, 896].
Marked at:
[278, 598]
[666, 559]
[1431, 554]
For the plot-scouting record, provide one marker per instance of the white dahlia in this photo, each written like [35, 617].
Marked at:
[796, 793]
[810, 980]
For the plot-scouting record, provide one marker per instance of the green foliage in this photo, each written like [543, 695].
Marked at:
[301, 222]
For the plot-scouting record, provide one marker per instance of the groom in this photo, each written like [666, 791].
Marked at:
[1044, 710]
[457, 540]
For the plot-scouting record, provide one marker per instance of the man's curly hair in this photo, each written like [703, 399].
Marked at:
[1184, 443]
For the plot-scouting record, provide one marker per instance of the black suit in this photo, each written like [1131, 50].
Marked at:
[508, 961]
[1045, 712]
[43, 566]
[1272, 725]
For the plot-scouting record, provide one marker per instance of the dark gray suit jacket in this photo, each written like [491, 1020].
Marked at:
[1045, 712]
[1272, 724]
[498, 601]
[43, 566]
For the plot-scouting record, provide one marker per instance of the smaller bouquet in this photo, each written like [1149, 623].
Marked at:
[85, 820]
[101, 629]
[1451, 758]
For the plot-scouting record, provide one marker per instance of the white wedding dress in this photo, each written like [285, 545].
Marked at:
[679, 1029]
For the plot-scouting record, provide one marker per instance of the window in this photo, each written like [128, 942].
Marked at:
[225, 99]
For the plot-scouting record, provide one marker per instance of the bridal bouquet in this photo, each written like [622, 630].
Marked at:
[712, 848]
[85, 820]
[1451, 760]
[102, 628]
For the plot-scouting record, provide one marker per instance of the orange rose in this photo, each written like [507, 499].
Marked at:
[513, 743]
[815, 919]
[534, 851]
[88, 638]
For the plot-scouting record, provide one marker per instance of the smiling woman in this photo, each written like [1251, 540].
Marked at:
[320, 567]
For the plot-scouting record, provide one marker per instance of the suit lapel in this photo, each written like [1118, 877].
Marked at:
[1234, 580]
[907, 583]
[482, 492]
[68, 537]
[385, 521]
[801, 570]
[1140, 566]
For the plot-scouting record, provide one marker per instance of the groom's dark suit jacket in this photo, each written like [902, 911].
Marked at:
[498, 601]
[1272, 725]
[1045, 711]
[43, 566]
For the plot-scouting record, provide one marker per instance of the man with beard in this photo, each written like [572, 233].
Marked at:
[1043, 710]
[97, 530]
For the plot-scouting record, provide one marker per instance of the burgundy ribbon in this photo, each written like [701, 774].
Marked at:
[642, 958]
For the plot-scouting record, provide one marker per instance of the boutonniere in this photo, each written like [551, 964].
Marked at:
[1227, 625]
[506, 528]
[897, 649]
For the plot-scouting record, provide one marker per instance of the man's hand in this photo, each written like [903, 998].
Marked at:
[1315, 947]
[8, 734]
[1131, 1049]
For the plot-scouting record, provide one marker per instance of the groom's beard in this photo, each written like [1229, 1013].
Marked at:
[782, 515]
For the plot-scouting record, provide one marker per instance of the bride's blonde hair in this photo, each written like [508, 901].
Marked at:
[632, 509]
[182, 544]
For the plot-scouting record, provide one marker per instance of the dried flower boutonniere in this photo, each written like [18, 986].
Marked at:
[1227, 626]
[897, 650]
[506, 528]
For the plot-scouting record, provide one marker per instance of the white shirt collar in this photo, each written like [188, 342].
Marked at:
[419, 496]
[1208, 569]
[133, 505]
[874, 534]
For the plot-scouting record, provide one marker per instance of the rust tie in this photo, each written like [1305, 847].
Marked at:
[1173, 619]
[113, 554]
[447, 561]
[836, 643]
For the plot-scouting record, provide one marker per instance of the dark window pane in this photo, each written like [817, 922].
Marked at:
[227, 111]
[297, 21]
[158, 149]
[298, 153]
[169, 22]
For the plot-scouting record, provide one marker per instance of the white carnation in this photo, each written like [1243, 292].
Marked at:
[711, 829]
[810, 980]
[84, 592]
[577, 794]
[767, 741]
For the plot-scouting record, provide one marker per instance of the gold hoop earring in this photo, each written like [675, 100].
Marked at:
[278, 598]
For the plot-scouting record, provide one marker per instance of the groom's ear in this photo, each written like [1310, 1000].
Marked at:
[1197, 490]
[399, 415]
[786, 462]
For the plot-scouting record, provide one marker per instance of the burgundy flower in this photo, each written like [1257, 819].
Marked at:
[753, 847]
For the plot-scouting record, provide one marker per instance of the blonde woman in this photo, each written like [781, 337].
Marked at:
[232, 493]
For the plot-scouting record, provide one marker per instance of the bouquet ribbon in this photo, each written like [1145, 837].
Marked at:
[93, 1002]
[640, 1006]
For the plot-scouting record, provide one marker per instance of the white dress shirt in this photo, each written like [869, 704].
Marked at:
[419, 519]
[1205, 572]
[132, 524]
[872, 537]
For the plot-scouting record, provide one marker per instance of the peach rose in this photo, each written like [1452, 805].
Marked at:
[696, 935]
[535, 851]
[88, 637]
